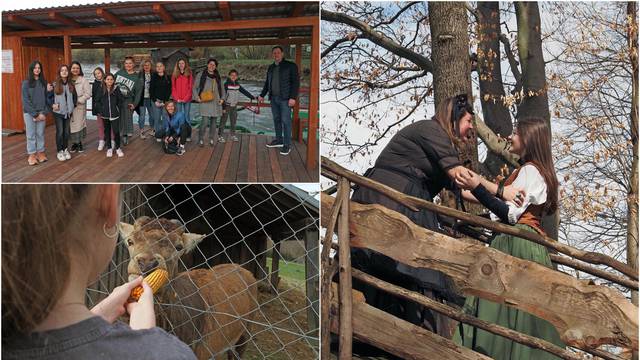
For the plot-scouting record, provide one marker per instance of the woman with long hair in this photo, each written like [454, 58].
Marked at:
[181, 87]
[145, 105]
[160, 93]
[531, 141]
[63, 99]
[420, 160]
[111, 105]
[56, 241]
[208, 90]
[35, 107]
[79, 117]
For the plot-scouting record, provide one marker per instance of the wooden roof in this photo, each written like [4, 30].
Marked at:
[127, 22]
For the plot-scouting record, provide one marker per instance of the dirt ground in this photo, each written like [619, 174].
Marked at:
[285, 317]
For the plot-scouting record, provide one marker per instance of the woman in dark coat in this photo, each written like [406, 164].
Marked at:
[420, 160]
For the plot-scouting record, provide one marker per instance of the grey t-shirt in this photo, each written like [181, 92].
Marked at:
[95, 338]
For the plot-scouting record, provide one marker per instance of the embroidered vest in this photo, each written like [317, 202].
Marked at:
[533, 214]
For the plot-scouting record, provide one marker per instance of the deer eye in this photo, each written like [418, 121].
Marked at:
[129, 242]
[179, 247]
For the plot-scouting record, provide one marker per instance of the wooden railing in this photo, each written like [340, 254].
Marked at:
[586, 315]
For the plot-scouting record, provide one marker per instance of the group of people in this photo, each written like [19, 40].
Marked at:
[165, 99]
[421, 160]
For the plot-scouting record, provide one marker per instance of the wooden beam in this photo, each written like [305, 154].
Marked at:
[312, 276]
[167, 18]
[196, 43]
[586, 316]
[296, 11]
[397, 336]
[344, 265]
[272, 23]
[109, 17]
[275, 264]
[225, 11]
[107, 60]
[53, 15]
[297, 124]
[26, 22]
[314, 99]
[67, 49]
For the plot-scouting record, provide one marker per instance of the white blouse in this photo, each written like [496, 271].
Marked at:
[529, 179]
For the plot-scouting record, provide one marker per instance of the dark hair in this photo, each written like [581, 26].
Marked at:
[277, 47]
[233, 71]
[128, 57]
[216, 75]
[36, 224]
[105, 86]
[536, 149]
[58, 87]
[32, 79]
[449, 111]
[76, 63]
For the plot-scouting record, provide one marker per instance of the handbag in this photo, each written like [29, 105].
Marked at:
[207, 96]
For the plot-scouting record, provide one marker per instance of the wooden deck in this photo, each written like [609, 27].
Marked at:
[247, 160]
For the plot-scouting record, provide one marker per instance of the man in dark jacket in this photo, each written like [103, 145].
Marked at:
[282, 84]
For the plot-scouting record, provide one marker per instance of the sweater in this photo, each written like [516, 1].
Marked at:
[130, 86]
[66, 101]
[232, 92]
[34, 99]
[181, 88]
[160, 88]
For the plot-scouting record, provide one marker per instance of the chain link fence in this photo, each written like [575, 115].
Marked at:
[269, 230]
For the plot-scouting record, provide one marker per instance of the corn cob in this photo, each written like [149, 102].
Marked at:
[156, 280]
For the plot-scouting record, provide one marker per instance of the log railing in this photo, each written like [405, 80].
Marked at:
[585, 315]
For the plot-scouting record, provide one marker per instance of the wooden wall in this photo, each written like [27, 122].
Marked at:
[51, 56]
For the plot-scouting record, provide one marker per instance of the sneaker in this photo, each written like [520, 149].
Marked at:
[152, 132]
[100, 145]
[61, 156]
[80, 148]
[180, 151]
[275, 143]
[120, 153]
[109, 152]
[41, 157]
[158, 140]
[67, 156]
[201, 143]
[74, 147]
[285, 150]
[234, 138]
[142, 136]
[125, 140]
[32, 160]
[221, 139]
[211, 142]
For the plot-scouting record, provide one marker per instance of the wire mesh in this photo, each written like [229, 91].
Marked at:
[269, 230]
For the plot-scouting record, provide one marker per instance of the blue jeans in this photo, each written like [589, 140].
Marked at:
[146, 107]
[281, 119]
[159, 114]
[185, 107]
[35, 134]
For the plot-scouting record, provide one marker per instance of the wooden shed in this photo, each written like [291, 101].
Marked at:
[49, 34]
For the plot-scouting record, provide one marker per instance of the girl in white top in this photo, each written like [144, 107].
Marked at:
[79, 117]
[538, 185]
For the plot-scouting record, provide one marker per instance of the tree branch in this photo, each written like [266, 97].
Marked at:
[513, 63]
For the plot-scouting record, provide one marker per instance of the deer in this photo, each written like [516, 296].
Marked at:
[209, 309]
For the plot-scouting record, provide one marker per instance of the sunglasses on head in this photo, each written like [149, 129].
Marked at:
[461, 106]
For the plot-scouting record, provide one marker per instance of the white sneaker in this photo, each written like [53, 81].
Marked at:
[67, 155]
[120, 153]
[100, 145]
[113, 144]
[158, 140]
[60, 156]
[109, 152]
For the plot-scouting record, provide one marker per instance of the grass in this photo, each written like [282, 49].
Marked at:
[290, 270]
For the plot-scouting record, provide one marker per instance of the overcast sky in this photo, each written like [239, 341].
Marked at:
[32, 4]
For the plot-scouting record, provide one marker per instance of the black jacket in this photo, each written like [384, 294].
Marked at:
[96, 90]
[109, 105]
[160, 87]
[289, 80]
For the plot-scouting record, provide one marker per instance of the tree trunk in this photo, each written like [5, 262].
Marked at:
[535, 101]
[494, 112]
[632, 196]
[585, 315]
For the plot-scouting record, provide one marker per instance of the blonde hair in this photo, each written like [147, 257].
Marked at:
[176, 69]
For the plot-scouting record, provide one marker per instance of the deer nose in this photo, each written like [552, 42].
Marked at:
[146, 265]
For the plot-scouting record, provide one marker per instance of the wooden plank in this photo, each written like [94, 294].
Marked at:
[314, 99]
[252, 165]
[274, 153]
[275, 265]
[242, 174]
[67, 49]
[168, 28]
[297, 127]
[197, 172]
[344, 265]
[53, 15]
[585, 315]
[263, 165]
[234, 158]
[398, 337]
[26, 22]
[224, 161]
[312, 277]
[197, 43]
[298, 163]
[286, 167]
[214, 163]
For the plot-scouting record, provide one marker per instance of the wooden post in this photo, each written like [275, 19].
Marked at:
[314, 98]
[275, 264]
[344, 260]
[67, 49]
[297, 125]
[261, 257]
[107, 60]
[312, 270]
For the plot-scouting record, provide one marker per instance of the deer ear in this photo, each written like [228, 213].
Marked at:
[125, 230]
[141, 220]
[191, 240]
